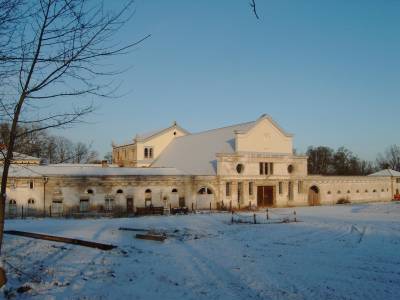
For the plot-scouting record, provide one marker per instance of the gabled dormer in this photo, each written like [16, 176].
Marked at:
[146, 147]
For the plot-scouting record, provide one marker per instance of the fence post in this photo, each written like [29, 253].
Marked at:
[295, 219]
[230, 206]
[170, 208]
[50, 210]
[22, 212]
[232, 217]
[267, 214]
[192, 208]
[210, 206]
[254, 216]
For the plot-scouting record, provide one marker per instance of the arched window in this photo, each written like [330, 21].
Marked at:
[374, 191]
[119, 191]
[366, 191]
[204, 190]
[147, 198]
[89, 191]
[174, 190]
[329, 192]
[12, 207]
[146, 152]
[348, 192]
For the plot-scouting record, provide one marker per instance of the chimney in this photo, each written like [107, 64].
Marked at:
[104, 164]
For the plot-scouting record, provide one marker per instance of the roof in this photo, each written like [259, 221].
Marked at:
[195, 154]
[20, 156]
[386, 172]
[87, 170]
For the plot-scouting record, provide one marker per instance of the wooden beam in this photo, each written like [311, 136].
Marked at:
[152, 237]
[61, 239]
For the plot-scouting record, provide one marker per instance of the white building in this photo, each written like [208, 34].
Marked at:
[249, 164]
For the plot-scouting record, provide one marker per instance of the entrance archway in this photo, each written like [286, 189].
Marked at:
[204, 197]
[313, 196]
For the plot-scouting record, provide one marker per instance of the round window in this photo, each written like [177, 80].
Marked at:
[290, 169]
[239, 168]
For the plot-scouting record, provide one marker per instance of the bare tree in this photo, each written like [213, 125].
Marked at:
[390, 159]
[53, 54]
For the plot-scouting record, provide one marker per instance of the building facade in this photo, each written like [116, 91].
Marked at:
[245, 165]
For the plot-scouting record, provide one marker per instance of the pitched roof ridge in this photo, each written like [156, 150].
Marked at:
[215, 129]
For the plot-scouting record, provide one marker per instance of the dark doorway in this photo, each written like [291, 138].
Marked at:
[313, 196]
[265, 196]
[129, 205]
[182, 202]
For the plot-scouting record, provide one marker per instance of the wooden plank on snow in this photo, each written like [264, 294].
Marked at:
[152, 237]
[61, 239]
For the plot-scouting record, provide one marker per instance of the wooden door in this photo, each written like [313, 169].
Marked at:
[129, 205]
[265, 195]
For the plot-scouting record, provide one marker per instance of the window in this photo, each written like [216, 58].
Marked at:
[398, 180]
[147, 198]
[348, 192]
[357, 191]
[120, 191]
[329, 192]
[89, 191]
[266, 168]
[290, 190]
[261, 168]
[109, 204]
[204, 191]
[251, 187]
[174, 190]
[31, 207]
[239, 168]
[12, 207]
[240, 191]
[374, 191]
[300, 187]
[366, 191]
[148, 152]
[382, 190]
[280, 187]
[56, 207]
[228, 189]
[290, 169]
[31, 184]
[339, 192]
[84, 205]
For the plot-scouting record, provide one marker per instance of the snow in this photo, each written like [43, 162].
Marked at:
[340, 252]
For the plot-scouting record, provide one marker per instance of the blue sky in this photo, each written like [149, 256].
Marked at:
[326, 71]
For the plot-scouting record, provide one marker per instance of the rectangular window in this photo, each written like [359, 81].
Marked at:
[398, 180]
[148, 152]
[266, 169]
[261, 168]
[271, 169]
[31, 184]
[300, 187]
[290, 190]
[280, 188]
[251, 188]
[228, 189]
[109, 204]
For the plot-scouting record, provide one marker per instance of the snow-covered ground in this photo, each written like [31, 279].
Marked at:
[341, 252]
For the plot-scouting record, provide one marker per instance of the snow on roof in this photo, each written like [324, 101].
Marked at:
[386, 172]
[20, 156]
[88, 170]
[195, 154]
